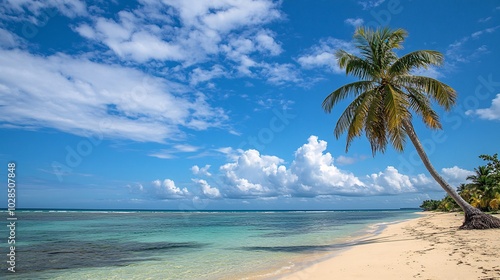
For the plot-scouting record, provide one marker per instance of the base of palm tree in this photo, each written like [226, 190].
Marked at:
[475, 219]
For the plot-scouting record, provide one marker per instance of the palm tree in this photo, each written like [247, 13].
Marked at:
[387, 96]
[483, 187]
[481, 177]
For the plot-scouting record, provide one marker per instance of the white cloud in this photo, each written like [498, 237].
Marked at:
[8, 40]
[323, 55]
[475, 35]
[391, 181]
[171, 153]
[82, 97]
[317, 174]
[356, 22]
[38, 12]
[166, 189]
[455, 52]
[255, 175]
[199, 75]
[186, 148]
[224, 15]
[458, 52]
[201, 170]
[481, 20]
[431, 72]
[491, 113]
[456, 175]
[208, 191]
[194, 32]
[344, 160]
[311, 174]
[370, 4]
[163, 154]
[279, 74]
[186, 31]
[266, 43]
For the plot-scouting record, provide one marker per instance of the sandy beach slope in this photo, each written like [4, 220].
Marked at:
[429, 247]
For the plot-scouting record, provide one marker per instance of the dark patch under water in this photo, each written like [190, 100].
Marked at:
[81, 254]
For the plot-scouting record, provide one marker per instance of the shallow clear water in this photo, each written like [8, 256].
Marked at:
[178, 245]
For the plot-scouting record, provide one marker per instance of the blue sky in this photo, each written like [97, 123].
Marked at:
[197, 105]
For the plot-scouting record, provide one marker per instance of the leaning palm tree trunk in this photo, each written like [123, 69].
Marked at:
[474, 218]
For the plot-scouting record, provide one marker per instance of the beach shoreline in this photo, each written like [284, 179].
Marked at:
[427, 247]
[337, 246]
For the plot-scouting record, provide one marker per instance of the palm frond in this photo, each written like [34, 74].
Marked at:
[421, 105]
[443, 94]
[375, 124]
[414, 60]
[354, 65]
[395, 105]
[341, 93]
[346, 118]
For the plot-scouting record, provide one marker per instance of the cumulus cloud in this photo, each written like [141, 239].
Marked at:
[166, 189]
[390, 181]
[255, 175]
[266, 43]
[323, 54]
[312, 173]
[491, 113]
[201, 170]
[456, 175]
[78, 96]
[317, 174]
[207, 190]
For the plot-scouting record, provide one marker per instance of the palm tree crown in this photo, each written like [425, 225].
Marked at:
[387, 93]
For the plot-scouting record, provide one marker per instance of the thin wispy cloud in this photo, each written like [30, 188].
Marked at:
[355, 22]
[78, 96]
[370, 4]
[457, 52]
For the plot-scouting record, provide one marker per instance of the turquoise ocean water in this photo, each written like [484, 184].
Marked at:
[180, 245]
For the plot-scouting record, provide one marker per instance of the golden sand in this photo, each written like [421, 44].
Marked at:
[429, 247]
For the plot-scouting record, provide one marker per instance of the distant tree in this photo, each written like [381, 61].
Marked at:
[485, 185]
[448, 204]
[430, 205]
[386, 97]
